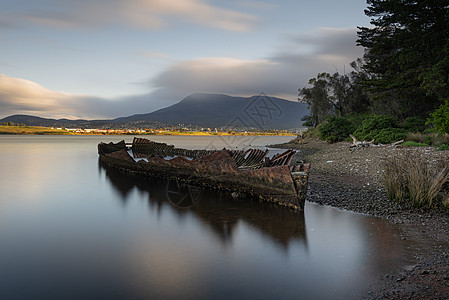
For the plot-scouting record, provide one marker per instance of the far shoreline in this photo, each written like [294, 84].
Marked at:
[38, 130]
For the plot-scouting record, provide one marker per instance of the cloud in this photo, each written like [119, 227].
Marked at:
[216, 74]
[280, 74]
[20, 96]
[148, 14]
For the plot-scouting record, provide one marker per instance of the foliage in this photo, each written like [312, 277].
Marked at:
[440, 118]
[317, 98]
[428, 140]
[407, 54]
[389, 135]
[334, 94]
[414, 124]
[307, 121]
[336, 129]
[377, 127]
[443, 147]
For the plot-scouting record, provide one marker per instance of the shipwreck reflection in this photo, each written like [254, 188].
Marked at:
[218, 210]
[182, 195]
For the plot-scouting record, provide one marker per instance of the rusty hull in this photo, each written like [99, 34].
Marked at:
[278, 183]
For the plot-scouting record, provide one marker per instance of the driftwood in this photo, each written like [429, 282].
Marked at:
[358, 144]
[397, 143]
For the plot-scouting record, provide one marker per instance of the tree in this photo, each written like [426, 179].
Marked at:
[407, 53]
[317, 97]
[335, 94]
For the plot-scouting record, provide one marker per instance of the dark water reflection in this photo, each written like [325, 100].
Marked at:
[217, 210]
[347, 252]
[70, 229]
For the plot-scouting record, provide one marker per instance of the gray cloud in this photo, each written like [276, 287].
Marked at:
[19, 96]
[278, 75]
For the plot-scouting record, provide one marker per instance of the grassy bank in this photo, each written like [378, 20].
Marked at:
[416, 178]
[37, 130]
[202, 133]
[32, 130]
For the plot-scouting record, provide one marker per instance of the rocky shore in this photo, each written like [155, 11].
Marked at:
[352, 180]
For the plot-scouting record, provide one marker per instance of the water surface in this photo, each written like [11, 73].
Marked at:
[72, 229]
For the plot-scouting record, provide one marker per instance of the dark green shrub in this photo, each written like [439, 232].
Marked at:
[440, 118]
[336, 129]
[357, 119]
[443, 147]
[428, 140]
[390, 135]
[381, 129]
[414, 124]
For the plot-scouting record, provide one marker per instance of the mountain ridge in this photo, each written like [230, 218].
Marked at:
[198, 109]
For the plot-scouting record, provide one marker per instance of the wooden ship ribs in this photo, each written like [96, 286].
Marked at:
[244, 172]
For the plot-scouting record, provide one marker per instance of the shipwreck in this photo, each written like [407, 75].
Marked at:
[244, 173]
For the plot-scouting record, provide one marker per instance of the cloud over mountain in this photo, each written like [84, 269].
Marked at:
[280, 74]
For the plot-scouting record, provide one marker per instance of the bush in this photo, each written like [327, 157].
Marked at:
[414, 124]
[336, 129]
[381, 129]
[443, 147]
[390, 135]
[440, 118]
[357, 119]
[428, 140]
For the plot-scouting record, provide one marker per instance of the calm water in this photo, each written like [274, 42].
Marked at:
[71, 229]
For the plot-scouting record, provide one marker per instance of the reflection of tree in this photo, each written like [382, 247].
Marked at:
[218, 210]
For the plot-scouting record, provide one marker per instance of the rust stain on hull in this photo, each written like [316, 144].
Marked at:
[247, 172]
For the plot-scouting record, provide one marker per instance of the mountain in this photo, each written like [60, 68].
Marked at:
[38, 121]
[216, 110]
[201, 110]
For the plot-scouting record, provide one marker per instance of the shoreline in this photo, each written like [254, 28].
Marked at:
[352, 181]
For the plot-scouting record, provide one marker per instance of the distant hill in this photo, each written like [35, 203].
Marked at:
[38, 121]
[216, 110]
[203, 110]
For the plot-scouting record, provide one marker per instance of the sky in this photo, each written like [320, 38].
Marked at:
[97, 59]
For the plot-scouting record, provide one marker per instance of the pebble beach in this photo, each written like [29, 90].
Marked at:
[352, 179]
